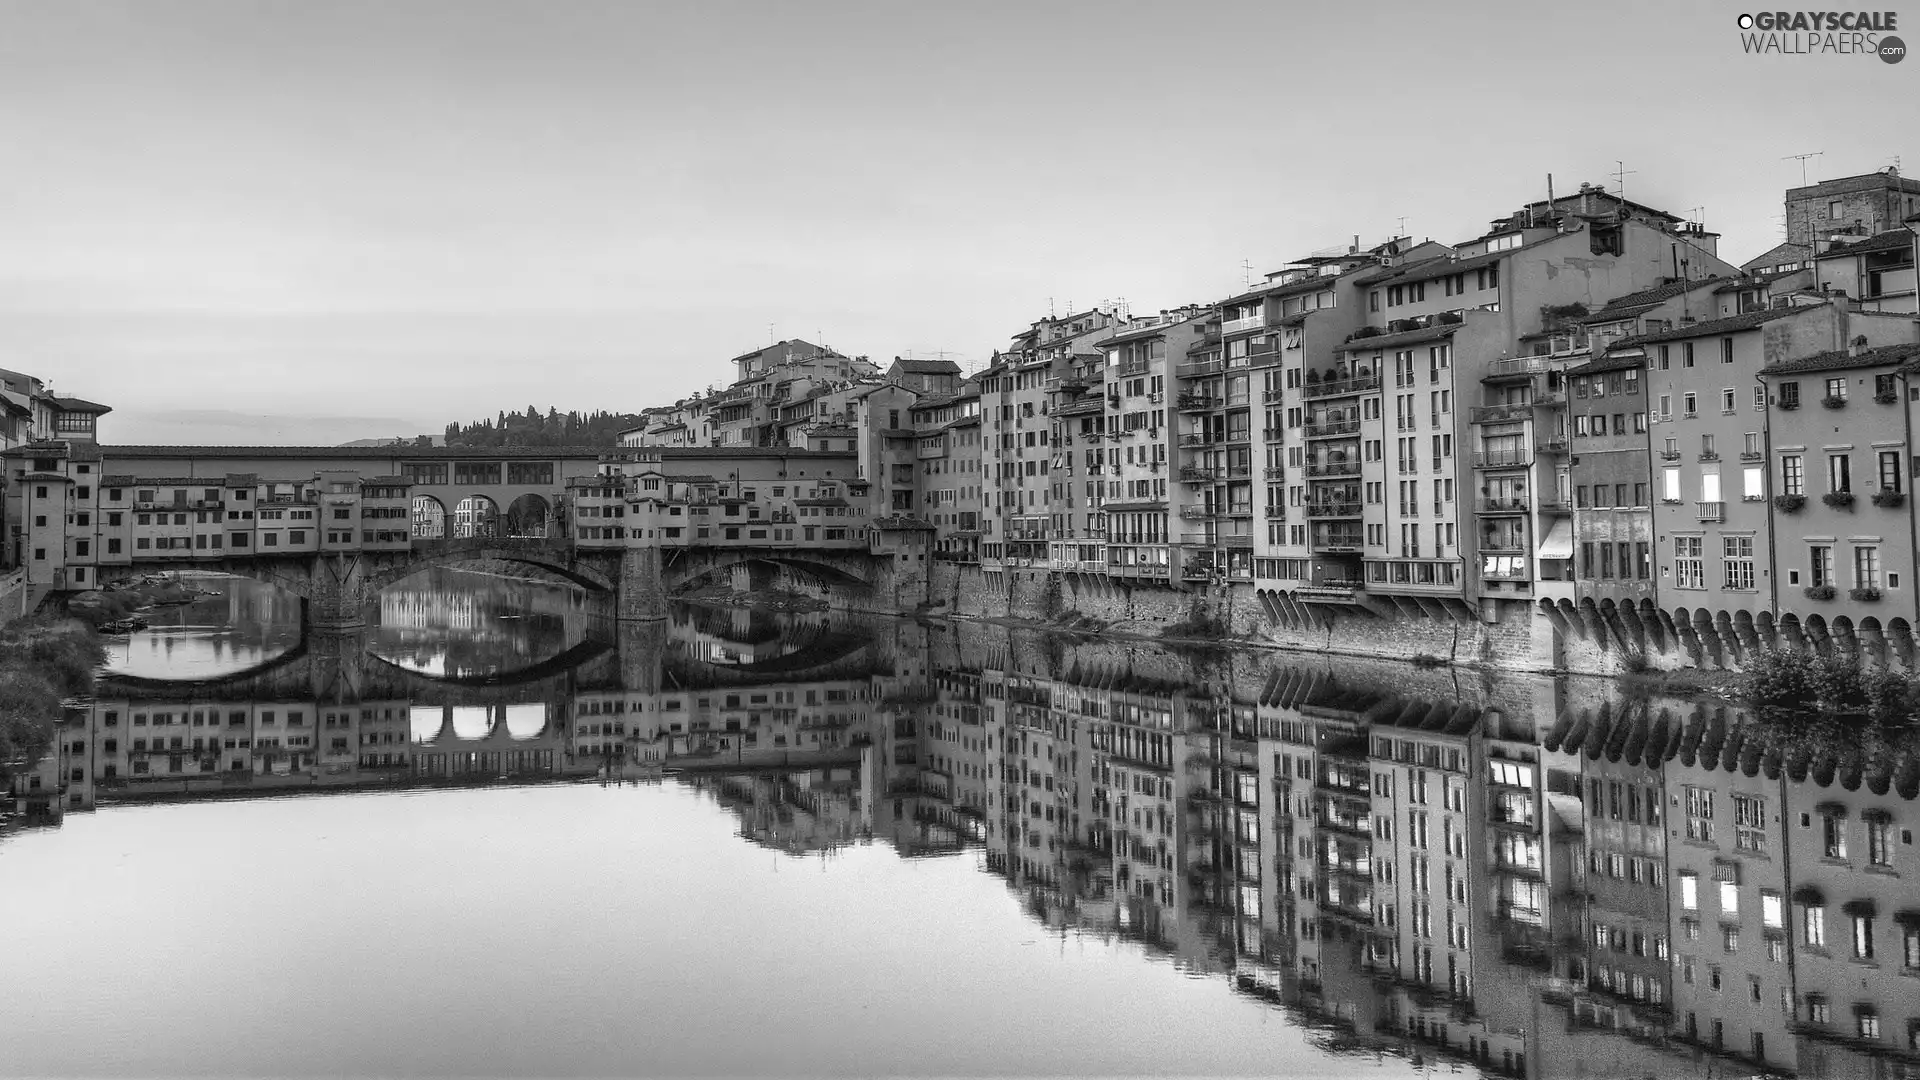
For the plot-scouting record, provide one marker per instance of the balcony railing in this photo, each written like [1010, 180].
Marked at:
[1271, 397]
[1239, 472]
[1516, 504]
[1334, 468]
[1199, 438]
[1236, 326]
[1198, 513]
[1517, 366]
[1336, 541]
[1489, 414]
[1333, 509]
[1198, 403]
[1553, 444]
[1276, 472]
[1751, 455]
[1501, 459]
[1276, 513]
[1321, 429]
[1713, 511]
[1339, 387]
[1554, 504]
[1200, 369]
[1192, 475]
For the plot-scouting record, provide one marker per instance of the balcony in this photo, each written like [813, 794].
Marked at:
[1340, 387]
[1276, 472]
[1493, 414]
[1276, 513]
[1709, 455]
[1502, 459]
[1712, 511]
[1336, 542]
[1198, 403]
[1323, 429]
[1191, 475]
[1669, 455]
[1515, 504]
[1752, 455]
[1198, 513]
[1242, 325]
[1199, 370]
[1239, 472]
[1553, 444]
[1198, 439]
[1332, 509]
[1519, 367]
[1334, 468]
[1238, 541]
[1555, 504]
[1271, 397]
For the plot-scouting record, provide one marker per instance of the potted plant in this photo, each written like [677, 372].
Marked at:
[1889, 499]
[1865, 594]
[1313, 375]
[1886, 397]
[1839, 500]
[1789, 504]
[1786, 404]
[1834, 402]
[1819, 592]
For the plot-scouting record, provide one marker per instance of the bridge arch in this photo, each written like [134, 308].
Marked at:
[476, 517]
[429, 518]
[529, 517]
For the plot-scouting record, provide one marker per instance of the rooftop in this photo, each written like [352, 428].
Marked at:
[1621, 307]
[1730, 325]
[1838, 359]
[1891, 240]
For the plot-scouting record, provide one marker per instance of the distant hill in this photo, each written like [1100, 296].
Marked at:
[554, 428]
[398, 440]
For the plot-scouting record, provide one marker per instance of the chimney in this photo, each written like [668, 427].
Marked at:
[1356, 244]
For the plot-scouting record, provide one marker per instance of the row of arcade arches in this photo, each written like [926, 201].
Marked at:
[476, 516]
[1726, 640]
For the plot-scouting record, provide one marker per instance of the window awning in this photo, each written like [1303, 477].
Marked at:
[1862, 908]
[1559, 541]
[1809, 896]
[1831, 809]
[1908, 917]
[1876, 815]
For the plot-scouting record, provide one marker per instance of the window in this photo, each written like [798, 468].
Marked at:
[1670, 488]
[1729, 404]
[1839, 472]
[1737, 566]
[1689, 404]
[1833, 836]
[1868, 1022]
[1753, 483]
[1726, 350]
[1792, 475]
[1863, 937]
[1866, 567]
[1889, 470]
[1688, 570]
[1837, 389]
[1820, 565]
[1815, 923]
[1879, 850]
[1729, 900]
[1686, 354]
[1689, 892]
[1772, 911]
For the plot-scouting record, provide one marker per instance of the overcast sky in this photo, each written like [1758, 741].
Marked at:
[432, 210]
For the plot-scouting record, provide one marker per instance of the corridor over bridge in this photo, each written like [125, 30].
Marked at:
[334, 525]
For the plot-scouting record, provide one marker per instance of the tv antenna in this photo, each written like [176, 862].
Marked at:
[1402, 230]
[1246, 273]
[1620, 174]
[1802, 159]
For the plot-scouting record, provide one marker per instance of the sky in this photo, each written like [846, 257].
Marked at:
[290, 221]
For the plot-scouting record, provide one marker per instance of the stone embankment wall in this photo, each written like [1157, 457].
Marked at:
[17, 598]
[1518, 637]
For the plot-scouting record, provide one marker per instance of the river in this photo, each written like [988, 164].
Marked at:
[499, 834]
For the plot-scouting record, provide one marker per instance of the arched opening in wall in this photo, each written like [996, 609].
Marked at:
[1900, 637]
[529, 517]
[429, 518]
[476, 516]
[1845, 643]
[1872, 642]
[1791, 637]
[1817, 635]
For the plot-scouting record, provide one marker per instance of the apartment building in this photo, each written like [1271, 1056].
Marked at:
[1144, 525]
[947, 426]
[1876, 271]
[1842, 530]
[1078, 413]
[1017, 449]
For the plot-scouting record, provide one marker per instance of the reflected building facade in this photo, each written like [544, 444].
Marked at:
[1531, 878]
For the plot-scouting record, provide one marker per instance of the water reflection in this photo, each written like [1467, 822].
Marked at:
[463, 624]
[1528, 878]
[242, 625]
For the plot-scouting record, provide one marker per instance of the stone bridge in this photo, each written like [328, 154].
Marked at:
[336, 588]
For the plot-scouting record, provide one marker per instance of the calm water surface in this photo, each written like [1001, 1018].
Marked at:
[498, 834]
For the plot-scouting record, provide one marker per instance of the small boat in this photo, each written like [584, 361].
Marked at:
[123, 626]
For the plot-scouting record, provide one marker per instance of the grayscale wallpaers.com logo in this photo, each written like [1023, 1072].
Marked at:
[1838, 33]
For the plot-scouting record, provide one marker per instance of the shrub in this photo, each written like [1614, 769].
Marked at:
[1779, 678]
[1889, 499]
[1885, 397]
[1789, 504]
[1837, 682]
[1892, 698]
[1839, 500]
[1819, 592]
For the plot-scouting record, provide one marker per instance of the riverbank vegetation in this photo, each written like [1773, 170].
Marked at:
[42, 663]
[1787, 684]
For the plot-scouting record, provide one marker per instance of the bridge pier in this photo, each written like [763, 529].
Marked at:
[338, 593]
[640, 595]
